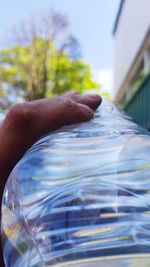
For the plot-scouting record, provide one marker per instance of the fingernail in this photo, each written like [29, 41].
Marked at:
[96, 97]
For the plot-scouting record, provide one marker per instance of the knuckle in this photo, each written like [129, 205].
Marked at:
[69, 104]
[71, 94]
[74, 96]
[20, 115]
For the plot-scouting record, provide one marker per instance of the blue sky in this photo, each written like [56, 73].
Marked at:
[91, 22]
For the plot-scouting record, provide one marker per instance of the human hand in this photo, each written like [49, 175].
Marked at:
[26, 123]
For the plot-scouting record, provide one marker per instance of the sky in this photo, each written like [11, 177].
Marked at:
[91, 22]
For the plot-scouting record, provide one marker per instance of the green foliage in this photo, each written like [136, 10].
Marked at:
[41, 70]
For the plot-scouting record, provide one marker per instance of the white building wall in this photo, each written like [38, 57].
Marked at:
[132, 27]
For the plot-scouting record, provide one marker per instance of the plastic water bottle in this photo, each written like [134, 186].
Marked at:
[81, 197]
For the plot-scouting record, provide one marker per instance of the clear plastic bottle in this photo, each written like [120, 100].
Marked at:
[81, 197]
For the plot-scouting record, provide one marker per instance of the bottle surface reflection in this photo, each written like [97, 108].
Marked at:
[81, 197]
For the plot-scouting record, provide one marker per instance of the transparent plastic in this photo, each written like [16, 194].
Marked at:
[81, 197]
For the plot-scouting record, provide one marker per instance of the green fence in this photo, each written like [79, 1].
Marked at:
[139, 105]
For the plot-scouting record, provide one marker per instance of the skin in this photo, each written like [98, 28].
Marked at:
[26, 123]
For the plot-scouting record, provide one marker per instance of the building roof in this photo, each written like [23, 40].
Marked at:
[118, 16]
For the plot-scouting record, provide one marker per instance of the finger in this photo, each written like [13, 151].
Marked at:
[53, 113]
[26, 123]
[91, 100]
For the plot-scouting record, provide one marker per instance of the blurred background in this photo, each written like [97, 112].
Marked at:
[52, 46]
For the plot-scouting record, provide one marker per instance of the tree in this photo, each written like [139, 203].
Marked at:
[45, 61]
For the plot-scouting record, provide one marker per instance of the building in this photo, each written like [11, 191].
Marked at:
[132, 59]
